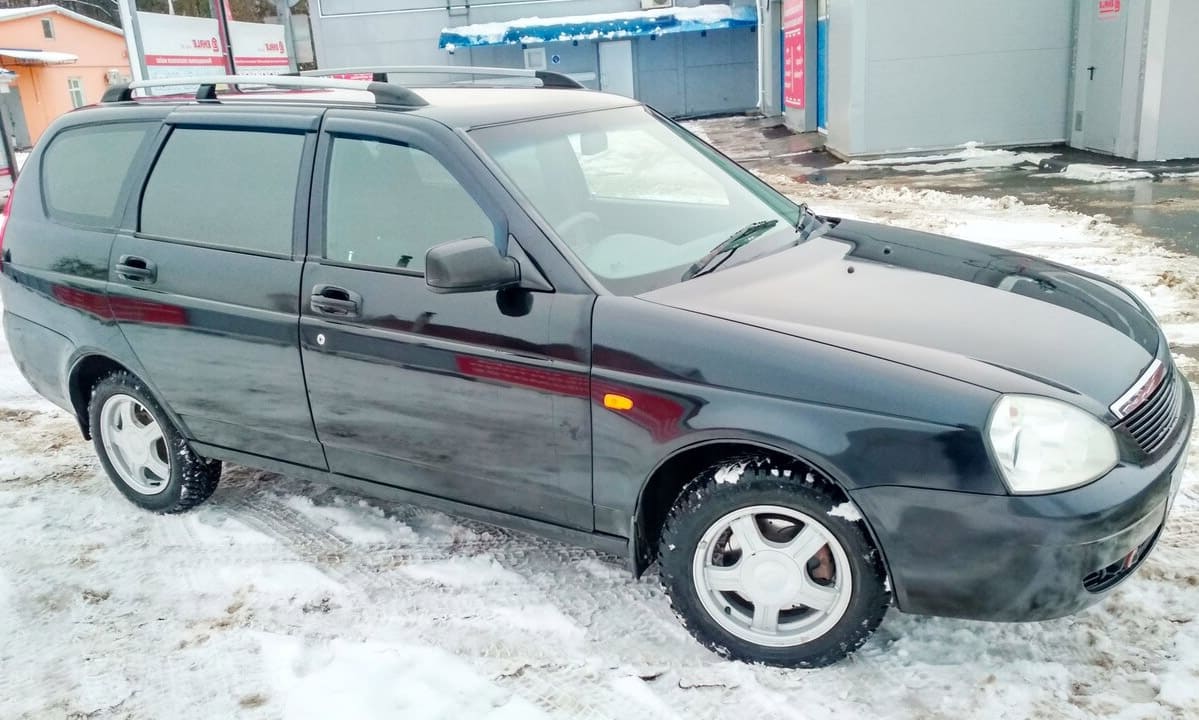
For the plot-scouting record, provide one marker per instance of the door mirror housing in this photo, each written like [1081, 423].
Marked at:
[470, 265]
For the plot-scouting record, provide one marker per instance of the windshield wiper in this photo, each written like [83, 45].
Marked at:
[717, 255]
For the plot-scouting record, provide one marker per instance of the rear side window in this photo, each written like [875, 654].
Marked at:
[226, 188]
[84, 170]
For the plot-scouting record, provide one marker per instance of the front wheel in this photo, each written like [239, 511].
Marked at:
[764, 565]
[143, 453]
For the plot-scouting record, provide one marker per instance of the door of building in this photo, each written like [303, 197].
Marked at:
[1102, 74]
[616, 67]
[14, 114]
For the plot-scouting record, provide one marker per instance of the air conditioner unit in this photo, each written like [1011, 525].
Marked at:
[656, 4]
[113, 76]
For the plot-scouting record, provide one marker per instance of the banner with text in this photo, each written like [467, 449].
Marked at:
[175, 46]
[794, 77]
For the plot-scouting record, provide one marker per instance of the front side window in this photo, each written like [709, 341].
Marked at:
[636, 199]
[226, 188]
[75, 89]
[388, 203]
[85, 168]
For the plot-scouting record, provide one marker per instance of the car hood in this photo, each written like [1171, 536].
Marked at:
[992, 317]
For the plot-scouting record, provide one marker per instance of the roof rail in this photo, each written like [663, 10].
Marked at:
[380, 72]
[385, 93]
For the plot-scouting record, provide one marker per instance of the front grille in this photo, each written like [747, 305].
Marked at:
[1151, 423]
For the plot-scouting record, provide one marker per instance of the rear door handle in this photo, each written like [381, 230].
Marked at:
[136, 269]
[335, 301]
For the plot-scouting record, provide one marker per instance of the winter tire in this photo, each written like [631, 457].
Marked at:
[768, 563]
[143, 452]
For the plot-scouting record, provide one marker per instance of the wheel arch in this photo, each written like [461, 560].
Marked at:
[670, 475]
[89, 367]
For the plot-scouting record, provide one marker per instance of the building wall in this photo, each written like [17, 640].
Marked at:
[1177, 128]
[357, 32]
[698, 74]
[939, 73]
[680, 75]
[44, 88]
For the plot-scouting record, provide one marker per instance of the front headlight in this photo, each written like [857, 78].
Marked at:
[1044, 445]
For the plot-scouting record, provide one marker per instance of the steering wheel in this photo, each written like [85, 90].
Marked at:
[577, 231]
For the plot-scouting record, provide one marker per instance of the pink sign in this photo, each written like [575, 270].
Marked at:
[1109, 8]
[793, 52]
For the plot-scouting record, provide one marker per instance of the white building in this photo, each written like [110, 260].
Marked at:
[880, 76]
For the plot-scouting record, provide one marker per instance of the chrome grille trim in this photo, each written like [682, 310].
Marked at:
[1150, 424]
[1140, 391]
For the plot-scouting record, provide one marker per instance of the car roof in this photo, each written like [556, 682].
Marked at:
[462, 107]
[468, 107]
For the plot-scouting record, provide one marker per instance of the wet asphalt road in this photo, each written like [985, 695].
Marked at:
[1166, 209]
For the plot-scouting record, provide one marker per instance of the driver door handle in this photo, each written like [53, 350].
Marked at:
[333, 301]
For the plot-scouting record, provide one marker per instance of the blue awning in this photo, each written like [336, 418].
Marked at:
[601, 26]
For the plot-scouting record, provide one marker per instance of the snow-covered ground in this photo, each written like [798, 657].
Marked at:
[970, 157]
[279, 598]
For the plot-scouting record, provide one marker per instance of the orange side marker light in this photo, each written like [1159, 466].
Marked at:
[613, 401]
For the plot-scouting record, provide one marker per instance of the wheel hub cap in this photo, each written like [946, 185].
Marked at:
[135, 444]
[770, 577]
[753, 573]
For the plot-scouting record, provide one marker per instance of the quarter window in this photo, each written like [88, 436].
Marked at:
[388, 203]
[84, 170]
[75, 88]
[227, 188]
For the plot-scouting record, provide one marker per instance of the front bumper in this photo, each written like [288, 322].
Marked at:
[1021, 558]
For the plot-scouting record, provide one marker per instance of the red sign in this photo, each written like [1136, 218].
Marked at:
[1109, 8]
[793, 52]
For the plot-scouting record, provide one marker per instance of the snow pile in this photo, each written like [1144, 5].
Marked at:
[1086, 172]
[970, 157]
[280, 598]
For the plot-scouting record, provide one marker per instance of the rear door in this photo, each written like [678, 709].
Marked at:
[205, 284]
[481, 397]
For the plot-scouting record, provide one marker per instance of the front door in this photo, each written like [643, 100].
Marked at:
[616, 67]
[205, 286]
[1103, 73]
[482, 398]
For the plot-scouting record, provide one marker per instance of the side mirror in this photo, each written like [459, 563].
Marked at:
[470, 265]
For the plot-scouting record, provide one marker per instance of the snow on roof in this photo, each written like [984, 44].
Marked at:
[15, 13]
[40, 57]
[599, 26]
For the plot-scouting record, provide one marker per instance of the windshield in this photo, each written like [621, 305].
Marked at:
[636, 199]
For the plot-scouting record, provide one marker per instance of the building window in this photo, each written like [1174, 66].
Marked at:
[75, 87]
[48, 28]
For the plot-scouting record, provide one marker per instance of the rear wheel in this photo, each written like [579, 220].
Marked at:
[764, 566]
[143, 453]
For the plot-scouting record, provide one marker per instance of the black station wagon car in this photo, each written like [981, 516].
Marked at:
[557, 310]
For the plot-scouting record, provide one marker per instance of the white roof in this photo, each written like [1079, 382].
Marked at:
[40, 57]
[14, 13]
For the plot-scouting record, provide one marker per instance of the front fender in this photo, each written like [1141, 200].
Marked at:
[693, 379]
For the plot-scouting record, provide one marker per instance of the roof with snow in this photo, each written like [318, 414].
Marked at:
[600, 26]
[15, 13]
